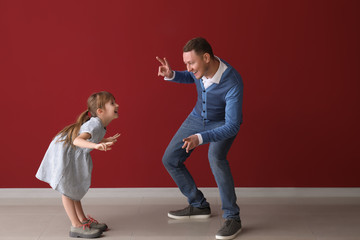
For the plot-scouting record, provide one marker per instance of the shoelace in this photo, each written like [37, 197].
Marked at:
[91, 220]
[86, 225]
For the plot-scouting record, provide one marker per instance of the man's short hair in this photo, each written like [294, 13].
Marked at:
[199, 45]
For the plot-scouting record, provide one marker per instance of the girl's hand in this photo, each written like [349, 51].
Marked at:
[104, 146]
[113, 139]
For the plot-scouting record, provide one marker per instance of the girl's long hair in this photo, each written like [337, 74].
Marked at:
[95, 101]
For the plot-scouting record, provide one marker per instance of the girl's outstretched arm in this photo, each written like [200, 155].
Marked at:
[111, 139]
[81, 141]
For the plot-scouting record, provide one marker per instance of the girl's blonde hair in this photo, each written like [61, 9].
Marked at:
[95, 101]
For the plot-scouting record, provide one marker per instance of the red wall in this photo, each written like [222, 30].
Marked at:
[299, 61]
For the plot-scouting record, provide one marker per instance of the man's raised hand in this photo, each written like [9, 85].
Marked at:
[164, 69]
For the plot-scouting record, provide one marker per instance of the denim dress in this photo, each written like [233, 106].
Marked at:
[68, 168]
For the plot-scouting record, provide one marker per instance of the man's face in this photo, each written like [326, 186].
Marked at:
[196, 64]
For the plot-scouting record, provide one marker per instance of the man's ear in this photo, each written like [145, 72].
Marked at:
[206, 57]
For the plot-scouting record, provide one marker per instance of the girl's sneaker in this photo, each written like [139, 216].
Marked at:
[84, 232]
[95, 224]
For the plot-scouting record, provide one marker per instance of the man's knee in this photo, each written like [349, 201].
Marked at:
[217, 160]
[216, 156]
[166, 160]
[174, 158]
[170, 159]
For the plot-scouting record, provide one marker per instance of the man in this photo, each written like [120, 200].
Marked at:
[215, 119]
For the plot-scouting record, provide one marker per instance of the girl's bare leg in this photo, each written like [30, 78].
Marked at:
[79, 211]
[70, 209]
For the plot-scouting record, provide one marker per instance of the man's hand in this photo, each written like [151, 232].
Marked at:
[164, 69]
[190, 143]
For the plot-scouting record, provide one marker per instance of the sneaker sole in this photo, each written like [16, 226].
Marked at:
[228, 237]
[189, 217]
[102, 229]
[79, 235]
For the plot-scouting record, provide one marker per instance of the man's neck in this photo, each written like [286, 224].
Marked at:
[213, 67]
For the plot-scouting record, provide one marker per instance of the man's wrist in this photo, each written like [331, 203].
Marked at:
[200, 138]
[169, 79]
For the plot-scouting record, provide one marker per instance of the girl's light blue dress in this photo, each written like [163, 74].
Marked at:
[67, 168]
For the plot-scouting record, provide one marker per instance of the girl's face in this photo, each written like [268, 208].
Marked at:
[111, 110]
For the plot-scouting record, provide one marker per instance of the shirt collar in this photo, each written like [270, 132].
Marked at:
[217, 76]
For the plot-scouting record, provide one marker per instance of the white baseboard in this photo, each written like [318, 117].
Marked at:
[174, 192]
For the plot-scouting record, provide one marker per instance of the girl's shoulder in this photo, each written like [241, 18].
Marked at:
[93, 121]
[95, 128]
[92, 125]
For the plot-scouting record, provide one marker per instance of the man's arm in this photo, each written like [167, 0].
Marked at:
[233, 118]
[174, 76]
[182, 77]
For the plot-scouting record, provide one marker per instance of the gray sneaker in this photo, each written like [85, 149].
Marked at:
[229, 230]
[84, 232]
[95, 224]
[190, 212]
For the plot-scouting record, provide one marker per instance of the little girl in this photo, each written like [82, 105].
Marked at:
[67, 164]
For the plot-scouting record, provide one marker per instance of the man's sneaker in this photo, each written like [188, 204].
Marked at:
[229, 230]
[95, 224]
[190, 212]
[84, 232]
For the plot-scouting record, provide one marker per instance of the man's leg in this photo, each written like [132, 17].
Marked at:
[220, 167]
[174, 158]
[221, 170]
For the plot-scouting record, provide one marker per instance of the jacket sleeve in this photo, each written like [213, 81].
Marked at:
[182, 77]
[233, 117]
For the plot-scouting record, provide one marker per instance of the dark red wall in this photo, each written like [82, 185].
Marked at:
[299, 61]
